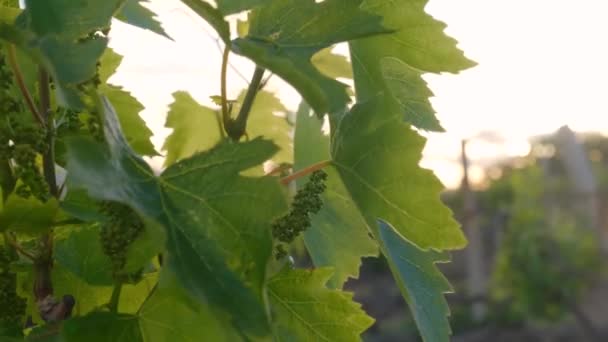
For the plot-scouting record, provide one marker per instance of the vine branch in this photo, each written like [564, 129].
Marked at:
[115, 298]
[48, 159]
[305, 172]
[237, 128]
[29, 100]
[223, 91]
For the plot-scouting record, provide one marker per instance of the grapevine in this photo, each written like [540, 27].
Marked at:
[74, 147]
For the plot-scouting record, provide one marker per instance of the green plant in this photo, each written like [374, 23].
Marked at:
[542, 268]
[118, 253]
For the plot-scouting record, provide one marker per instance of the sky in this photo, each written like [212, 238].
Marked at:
[542, 65]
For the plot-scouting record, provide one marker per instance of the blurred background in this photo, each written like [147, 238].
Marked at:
[524, 159]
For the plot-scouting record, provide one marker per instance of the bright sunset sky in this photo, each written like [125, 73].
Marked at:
[542, 64]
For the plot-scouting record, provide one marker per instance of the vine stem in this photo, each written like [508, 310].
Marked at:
[237, 127]
[113, 305]
[305, 172]
[29, 100]
[225, 114]
[48, 159]
[43, 282]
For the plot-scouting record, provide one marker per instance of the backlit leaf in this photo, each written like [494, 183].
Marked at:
[377, 156]
[195, 128]
[422, 284]
[284, 35]
[304, 309]
[134, 13]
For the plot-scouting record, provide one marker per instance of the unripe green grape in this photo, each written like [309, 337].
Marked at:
[122, 227]
[307, 201]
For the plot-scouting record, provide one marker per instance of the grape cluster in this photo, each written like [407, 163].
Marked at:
[121, 228]
[307, 201]
[21, 138]
[12, 307]
[69, 121]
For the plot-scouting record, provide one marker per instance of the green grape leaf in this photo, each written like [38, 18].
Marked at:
[227, 7]
[195, 128]
[136, 131]
[169, 315]
[70, 19]
[134, 13]
[210, 213]
[81, 254]
[213, 16]
[422, 284]
[393, 64]
[418, 39]
[331, 64]
[411, 93]
[128, 108]
[53, 33]
[303, 309]
[377, 156]
[29, 216]
[264, 123]
[286, 46]
[102, 327]
[339, 216]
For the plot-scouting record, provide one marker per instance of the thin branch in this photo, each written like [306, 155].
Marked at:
[237, 128]
[29, 100]
[114, 300]
[305, 172]
[225, 113]
[48, 159]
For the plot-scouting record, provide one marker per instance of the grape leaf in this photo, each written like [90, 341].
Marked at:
[339, 216]
[53, 33]
[128, 108]
[134, 13]
[377, 156]
[28, 216]
[81, 254]
[228, 7]
[393, 64]
[169, 315]
[304, 309]
[331, 64]
[210, 213]
[102, 327]
[195, 128]
[69, 19]
[410, 92]
[421, 283]
[284, 35]
[418, 39]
